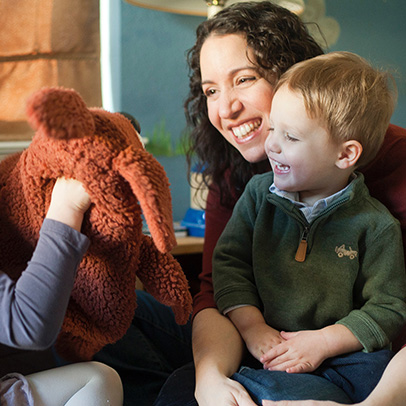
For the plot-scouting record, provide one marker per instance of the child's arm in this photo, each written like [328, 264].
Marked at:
[32, 309]
[258, 336]
[304, 351]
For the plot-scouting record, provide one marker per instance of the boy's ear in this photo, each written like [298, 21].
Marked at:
[349, 154]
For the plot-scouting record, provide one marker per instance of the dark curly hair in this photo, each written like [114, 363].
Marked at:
[278, 39]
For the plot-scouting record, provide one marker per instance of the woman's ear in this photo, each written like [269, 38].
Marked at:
[349, 154]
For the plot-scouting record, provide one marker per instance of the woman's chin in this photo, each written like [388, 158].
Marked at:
[253, 155]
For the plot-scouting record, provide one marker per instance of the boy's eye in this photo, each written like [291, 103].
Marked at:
[290, 138]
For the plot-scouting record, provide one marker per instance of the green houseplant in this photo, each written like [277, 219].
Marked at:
[159, 141]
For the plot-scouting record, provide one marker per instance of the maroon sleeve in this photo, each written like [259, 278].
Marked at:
[217, 217]
[385, 177]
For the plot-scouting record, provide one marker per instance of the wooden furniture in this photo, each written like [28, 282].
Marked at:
[188, 253]
[188, 245]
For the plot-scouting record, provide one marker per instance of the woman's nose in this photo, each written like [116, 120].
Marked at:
[229, 104]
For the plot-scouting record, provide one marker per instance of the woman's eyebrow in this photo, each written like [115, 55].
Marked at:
[232, 73]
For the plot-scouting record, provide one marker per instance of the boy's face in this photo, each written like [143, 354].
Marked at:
[301, 152]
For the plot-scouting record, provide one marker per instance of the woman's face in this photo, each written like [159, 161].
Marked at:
[238, 98]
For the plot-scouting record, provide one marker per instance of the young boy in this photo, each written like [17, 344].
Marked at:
[310, 267]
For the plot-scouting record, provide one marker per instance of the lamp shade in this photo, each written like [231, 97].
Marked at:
[202, 7]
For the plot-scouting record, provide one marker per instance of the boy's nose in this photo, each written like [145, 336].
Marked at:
[271, 143]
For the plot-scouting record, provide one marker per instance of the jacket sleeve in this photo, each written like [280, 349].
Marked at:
[216, 217]
[32, 310]
[380, 291]
[386, 181]
[233, 277]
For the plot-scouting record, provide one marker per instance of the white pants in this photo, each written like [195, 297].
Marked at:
[87, 383]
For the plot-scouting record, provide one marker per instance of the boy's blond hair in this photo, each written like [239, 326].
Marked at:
[353, 100]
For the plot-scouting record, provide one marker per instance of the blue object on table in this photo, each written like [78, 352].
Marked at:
[195, 222]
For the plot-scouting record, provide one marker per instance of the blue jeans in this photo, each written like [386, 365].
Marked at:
[179, 388]
[155, 357]
[153, 347]
[357, 373]
[351, 377]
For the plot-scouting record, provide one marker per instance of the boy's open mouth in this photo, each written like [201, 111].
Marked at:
[281, 167]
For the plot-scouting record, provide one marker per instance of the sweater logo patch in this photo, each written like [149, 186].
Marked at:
[343, 252]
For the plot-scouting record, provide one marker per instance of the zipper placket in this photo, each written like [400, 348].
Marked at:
[302, 248]
[301, 252]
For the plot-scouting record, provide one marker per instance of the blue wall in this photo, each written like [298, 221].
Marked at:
[153, 76]
[376, 30]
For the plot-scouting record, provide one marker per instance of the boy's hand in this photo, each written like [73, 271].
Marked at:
[302, 351]
[260, 339]
[257, 335]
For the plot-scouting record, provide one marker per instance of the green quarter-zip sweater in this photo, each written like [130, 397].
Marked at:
[349, 268]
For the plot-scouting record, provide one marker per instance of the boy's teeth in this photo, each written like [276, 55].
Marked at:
[245, 129]
[282, 167]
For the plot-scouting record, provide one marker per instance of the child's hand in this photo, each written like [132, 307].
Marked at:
[69, 202]
[302, 351]
[260, 339]
[257, 335]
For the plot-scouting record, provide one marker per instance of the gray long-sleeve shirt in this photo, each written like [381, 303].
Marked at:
[32, 310]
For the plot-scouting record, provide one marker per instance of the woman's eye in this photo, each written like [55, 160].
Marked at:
[246, 79]
[209, 92]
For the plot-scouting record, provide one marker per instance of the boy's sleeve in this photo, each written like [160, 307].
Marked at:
[381, 287]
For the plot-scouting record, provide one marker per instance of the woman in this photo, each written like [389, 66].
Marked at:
[32, 311]
[238, 56]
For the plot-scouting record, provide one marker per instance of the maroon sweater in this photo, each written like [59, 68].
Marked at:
[385, 177]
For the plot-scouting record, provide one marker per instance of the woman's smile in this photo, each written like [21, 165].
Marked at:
[245, 130]
[239, 99]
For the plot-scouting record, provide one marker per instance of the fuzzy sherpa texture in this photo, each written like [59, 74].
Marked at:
[104, 152]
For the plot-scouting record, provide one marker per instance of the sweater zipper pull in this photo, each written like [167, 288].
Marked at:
[302, 249]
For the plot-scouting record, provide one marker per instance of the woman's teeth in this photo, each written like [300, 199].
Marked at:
[243, 130]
